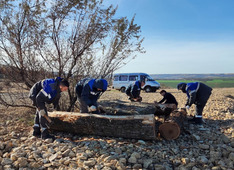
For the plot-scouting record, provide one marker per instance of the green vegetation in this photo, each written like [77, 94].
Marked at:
[215, 83]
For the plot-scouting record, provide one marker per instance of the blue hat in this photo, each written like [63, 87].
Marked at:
[101, 84]
[182, 86]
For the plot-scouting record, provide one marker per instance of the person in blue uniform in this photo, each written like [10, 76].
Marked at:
[88, 92]
[45, 91]
[134, 90]
[197, 93]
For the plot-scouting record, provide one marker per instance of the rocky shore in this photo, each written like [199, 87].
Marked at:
[200, 147]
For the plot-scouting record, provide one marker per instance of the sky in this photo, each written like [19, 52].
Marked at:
[181, 36]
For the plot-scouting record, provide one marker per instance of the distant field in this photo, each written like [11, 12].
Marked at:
[215, 83]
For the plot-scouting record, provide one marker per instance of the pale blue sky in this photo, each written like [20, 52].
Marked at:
[182, 36]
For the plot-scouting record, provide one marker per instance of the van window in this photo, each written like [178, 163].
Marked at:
[123, 78]
[116, 78]
[143, 77]
[133, 78]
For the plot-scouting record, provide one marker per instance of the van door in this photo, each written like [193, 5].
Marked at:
[123, 81]
[116, 82]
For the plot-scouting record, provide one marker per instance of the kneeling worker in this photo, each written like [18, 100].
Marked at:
[134, 90]
[88, 91]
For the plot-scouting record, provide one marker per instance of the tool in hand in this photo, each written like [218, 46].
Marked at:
[43, 113]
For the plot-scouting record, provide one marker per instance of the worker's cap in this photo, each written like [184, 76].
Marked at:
[101, 84]
[181, 86]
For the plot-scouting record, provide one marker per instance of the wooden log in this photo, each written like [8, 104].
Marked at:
[172, 127]
[127, 126]
[127, 108]
[164, 109]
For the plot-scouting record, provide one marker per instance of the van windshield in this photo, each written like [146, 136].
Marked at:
[149, 78]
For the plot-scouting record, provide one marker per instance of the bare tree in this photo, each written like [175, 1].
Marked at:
[20, 29]
[71, 39]
[124, 41]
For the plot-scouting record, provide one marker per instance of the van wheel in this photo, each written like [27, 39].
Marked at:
[148, 89]
[123, 89]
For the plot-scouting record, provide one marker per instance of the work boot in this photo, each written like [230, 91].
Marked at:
[36, 131]
[139, 99]
[196, 120]
[131, 99]
[45, 135]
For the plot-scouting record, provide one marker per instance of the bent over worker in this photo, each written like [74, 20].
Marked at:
[45, 91]
[168, 98]
[88, 92]
[134, 90]
[198, 94]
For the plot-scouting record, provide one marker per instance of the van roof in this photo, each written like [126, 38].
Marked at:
[129, 74]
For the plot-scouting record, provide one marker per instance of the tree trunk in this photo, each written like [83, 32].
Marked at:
[172, 126]
[164, 109]
[127, 108]
[125, 126]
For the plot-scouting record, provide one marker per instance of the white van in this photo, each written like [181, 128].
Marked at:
[123, 80]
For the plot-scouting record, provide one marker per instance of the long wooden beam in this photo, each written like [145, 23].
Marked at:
[125, 126]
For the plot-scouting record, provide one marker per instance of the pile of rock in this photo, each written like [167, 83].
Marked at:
[207, 146]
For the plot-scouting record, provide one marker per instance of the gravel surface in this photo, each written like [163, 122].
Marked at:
[209, 146]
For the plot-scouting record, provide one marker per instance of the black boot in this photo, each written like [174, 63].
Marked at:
[45, 135]
[36, 131]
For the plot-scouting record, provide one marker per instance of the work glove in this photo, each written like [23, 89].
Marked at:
[42, 112]
[92, 108]
[187, 107]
